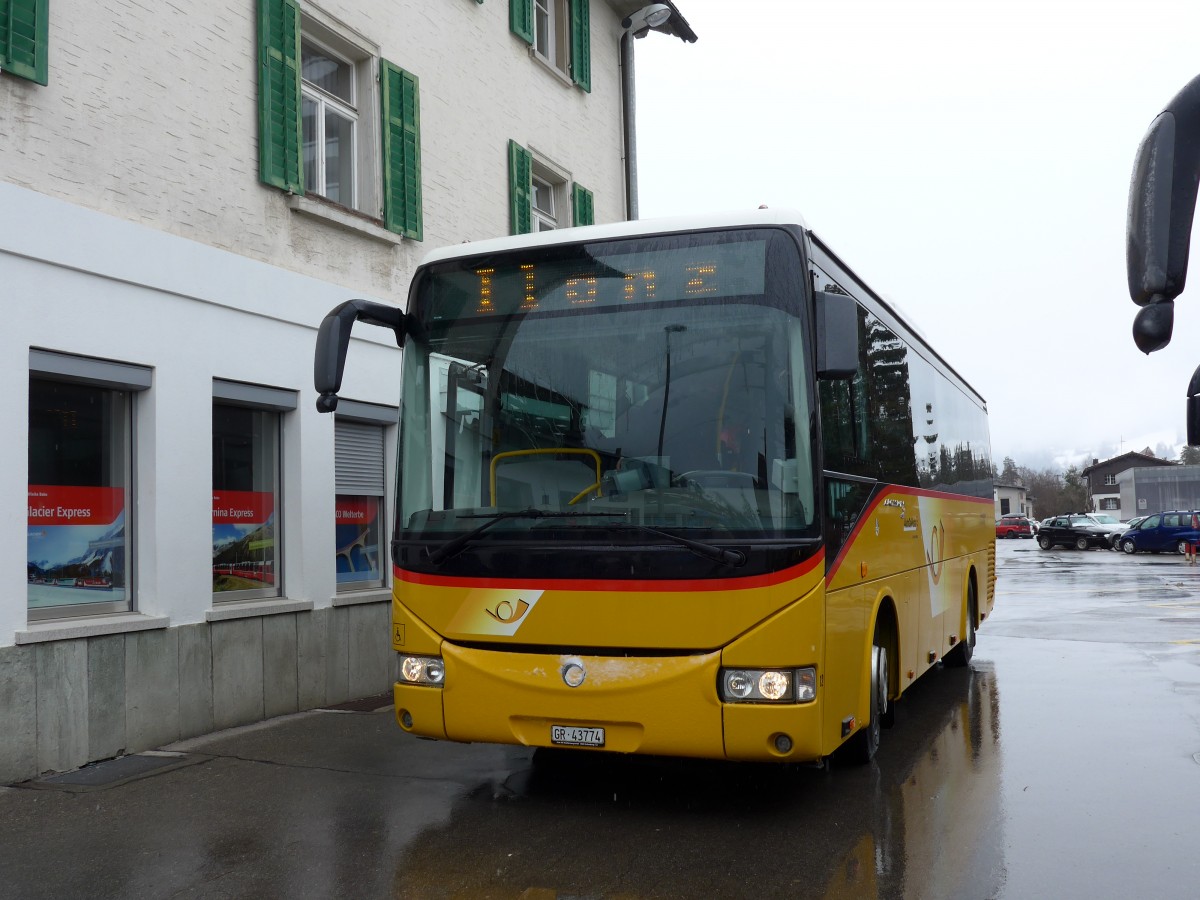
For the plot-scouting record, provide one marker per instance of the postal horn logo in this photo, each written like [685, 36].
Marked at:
[506, 613]
[936, 551]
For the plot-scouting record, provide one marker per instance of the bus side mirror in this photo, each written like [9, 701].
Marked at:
[837, 335]
[333, 340]
[1162, 204]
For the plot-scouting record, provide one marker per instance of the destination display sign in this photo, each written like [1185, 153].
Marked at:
[654, 275]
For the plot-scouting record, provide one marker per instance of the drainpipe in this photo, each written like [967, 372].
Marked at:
[629, 125]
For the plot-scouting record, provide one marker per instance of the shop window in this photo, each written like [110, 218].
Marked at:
[246, 532]
[359, 553]
[79, 527]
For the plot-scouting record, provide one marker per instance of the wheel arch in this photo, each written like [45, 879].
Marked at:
[970, 580]
[886, 617]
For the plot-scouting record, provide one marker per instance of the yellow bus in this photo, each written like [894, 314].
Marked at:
[678, 487]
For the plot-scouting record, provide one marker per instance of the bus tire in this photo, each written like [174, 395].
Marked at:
[960, 654]
[864, 743]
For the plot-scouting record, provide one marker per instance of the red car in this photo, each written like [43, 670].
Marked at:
[1013, 527]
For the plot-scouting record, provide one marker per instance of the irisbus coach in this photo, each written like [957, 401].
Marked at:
[676, 487]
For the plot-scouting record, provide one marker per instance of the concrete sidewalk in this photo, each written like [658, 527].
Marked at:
[306, 805]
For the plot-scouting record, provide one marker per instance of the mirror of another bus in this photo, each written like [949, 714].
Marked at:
[1162, 203]
[1193, 409]
[837, 335]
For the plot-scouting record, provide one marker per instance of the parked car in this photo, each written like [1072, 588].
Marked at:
[1077, 530]
[1116, 526]
[1169, 531]
[1014, 526]
[1133, 523]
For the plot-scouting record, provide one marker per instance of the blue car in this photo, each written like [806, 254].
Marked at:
[1169, 532]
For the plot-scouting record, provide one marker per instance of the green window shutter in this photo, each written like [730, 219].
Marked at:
[520, 189]
[401, 151]
[582, 206]
[581, 44]
[520, 19]
[279, 138]
[25, 38]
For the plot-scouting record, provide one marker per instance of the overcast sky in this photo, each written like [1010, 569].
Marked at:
[970, 161]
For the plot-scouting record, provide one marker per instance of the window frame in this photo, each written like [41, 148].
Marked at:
[128, 380]
[526, 167]
[568, 28]
[386, 155]
[349, 110]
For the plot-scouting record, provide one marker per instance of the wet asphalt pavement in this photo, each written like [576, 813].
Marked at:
[1065, 762]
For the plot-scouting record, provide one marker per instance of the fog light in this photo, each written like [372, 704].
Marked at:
[405, 718]
[783, 743]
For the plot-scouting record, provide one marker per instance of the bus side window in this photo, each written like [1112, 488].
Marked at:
[844, 503]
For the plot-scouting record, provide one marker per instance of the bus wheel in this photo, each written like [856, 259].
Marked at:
[864, 743]
[960, 654]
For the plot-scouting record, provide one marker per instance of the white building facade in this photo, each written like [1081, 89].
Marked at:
[185, 191]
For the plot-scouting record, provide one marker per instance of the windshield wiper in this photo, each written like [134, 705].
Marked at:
[707, 551]
[451, 547]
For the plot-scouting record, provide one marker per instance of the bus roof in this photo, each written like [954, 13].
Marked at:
[614, 230]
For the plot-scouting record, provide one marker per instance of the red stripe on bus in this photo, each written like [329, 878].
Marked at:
[587, 584]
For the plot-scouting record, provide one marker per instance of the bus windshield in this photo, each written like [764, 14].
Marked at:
[656, 382]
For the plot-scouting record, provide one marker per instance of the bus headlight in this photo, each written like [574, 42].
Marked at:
[769, 685]
[423, 670]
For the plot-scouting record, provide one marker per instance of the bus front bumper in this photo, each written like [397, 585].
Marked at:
[660, 705]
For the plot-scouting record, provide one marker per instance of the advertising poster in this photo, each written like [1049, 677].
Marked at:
[76, 545]
[243, 540]
[357, 538]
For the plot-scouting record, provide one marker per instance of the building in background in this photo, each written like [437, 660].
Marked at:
[1104, 489]
[1012, 499]
[1153, 489]
[187, 189]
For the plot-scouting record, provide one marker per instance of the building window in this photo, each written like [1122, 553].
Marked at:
[559, 33]
[537, 194]
[246, 533]
[551, 40]
[80, 485]
[1110, 503]
[335, 119]
[1004, 506]
[329, 117]
[545, 209]
[360, 483]
[24, 39]
[1110, 479]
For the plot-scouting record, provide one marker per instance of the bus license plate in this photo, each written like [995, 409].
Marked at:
[574, 736]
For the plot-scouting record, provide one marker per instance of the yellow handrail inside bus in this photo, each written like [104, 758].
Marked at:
[543, 451]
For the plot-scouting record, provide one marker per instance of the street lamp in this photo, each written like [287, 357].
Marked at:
[638, 25]
[646, 18]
